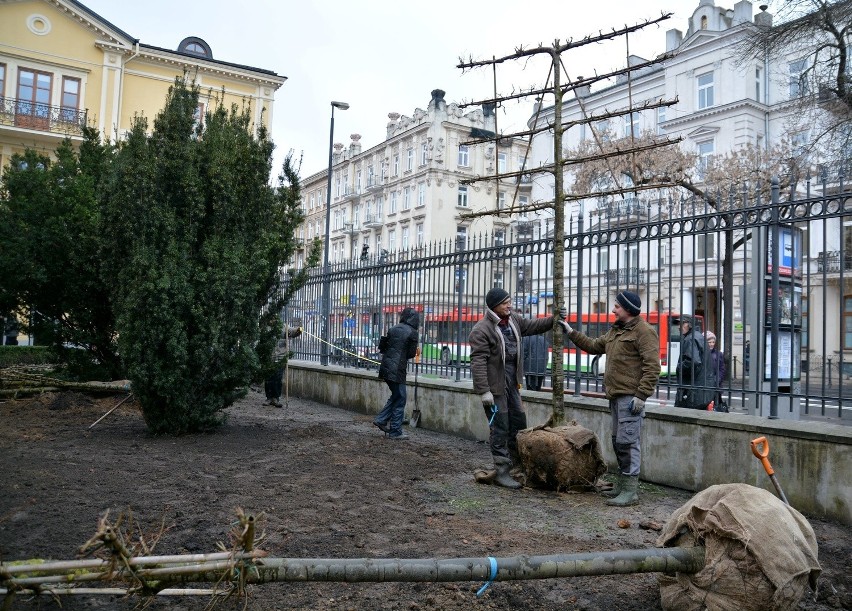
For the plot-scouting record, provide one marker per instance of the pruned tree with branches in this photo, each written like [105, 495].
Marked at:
[558, 84]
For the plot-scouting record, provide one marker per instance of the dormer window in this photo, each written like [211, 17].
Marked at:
[193, 45]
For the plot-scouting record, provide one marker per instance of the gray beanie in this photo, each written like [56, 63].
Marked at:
[495, 297]
[630, 301]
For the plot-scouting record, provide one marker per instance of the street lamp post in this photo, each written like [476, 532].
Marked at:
[326, 280]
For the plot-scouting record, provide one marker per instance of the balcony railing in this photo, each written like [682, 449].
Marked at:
[375, 183]
[829, 262]
[627, 207]
[372, 220]
[33, 115]
[628, 276]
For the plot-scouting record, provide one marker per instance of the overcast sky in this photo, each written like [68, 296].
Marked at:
[385, 56]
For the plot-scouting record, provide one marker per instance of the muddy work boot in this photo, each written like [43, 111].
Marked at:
[629, 494]
[616, 487]
[503, 478]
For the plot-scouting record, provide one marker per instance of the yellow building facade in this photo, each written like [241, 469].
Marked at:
[63, 66]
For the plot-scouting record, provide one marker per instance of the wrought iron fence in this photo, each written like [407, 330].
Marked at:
[690, 258]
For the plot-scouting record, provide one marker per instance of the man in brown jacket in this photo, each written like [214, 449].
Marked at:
[497, 365]
[632, 349]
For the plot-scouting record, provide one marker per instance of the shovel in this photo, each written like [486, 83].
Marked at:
[415, 413]
[762, 454]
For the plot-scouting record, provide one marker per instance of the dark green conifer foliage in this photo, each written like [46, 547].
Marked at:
[198, 236]
[50, 269]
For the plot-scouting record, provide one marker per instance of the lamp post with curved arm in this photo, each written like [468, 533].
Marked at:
[326, 280]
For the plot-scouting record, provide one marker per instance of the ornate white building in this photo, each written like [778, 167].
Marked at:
[724, 102]
[405, 192]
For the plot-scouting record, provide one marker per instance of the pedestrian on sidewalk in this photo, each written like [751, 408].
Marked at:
[497, 367]
[399, 345]
[696, 378]
[632, 349]
[717, 363]
[535, 360]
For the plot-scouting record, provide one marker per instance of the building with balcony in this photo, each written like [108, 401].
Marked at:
[63, 66]
[407, 191]
[725, 102]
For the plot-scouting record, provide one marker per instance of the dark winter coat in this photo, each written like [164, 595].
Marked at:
[488, 352]
[399, 346]
[632, 351]
[535, 355]
[696, 376]
[718, 361]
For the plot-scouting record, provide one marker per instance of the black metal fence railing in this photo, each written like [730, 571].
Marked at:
[43, 117]
[714, 264]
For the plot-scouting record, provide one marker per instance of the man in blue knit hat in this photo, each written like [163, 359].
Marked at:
[632, 349]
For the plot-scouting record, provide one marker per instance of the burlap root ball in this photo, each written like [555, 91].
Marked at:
[760, 553]
[560, 458]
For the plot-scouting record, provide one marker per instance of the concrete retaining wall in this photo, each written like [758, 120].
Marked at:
[681, 448]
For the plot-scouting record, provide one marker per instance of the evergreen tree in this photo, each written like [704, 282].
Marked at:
[50, 270]
[197, 236]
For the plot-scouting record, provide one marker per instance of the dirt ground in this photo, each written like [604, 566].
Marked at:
[330, 486]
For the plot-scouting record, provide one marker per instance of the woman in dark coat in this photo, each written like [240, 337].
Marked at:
[695, 376]
[399, 345]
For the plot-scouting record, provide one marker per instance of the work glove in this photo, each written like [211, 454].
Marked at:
[563, 313]
[487, 399]
[566, 328]
[637, 405]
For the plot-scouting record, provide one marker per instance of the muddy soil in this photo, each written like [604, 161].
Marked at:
[329, 485]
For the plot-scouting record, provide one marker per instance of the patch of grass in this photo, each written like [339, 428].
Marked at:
[11, 356]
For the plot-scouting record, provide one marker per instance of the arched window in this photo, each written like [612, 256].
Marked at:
[193, 45]
[704, 22]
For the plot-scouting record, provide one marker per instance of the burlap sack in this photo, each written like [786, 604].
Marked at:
[560, 458]
[761, 554]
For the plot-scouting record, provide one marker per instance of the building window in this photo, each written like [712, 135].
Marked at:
[705, 246]
[632, 125]
[380, 208]
[800, 142]
[523, 200]
[396, 165]
[603, 261]
[197, 117]
[358, 181]
[406, 198]
[409, 164]
[499, 280]
[379, 243]
[392, 240]
[501, 200]
[662, 254]
[798, 78]
[661, 118]
[705, 156]
[758, 79]
[462, 196]
[33, 99]
[420, 234]
[421, 194]
[705, 90]
[499, 237]
[405, 238]
[312, 202]
[599, 307]
[393, 201]
[461, 237]
[601, 128]
[704, 22]
[847, 322]
[2, 81]
[502, 162]
[70, 97]
[464, 156]
[424, 153]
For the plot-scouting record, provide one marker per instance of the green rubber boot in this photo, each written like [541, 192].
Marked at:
[629, 494]
[616, 487]
[503, 478]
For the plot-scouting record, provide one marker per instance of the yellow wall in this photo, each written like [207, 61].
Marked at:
[118, 79]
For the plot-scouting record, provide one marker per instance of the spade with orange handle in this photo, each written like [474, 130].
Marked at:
[760, 448]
